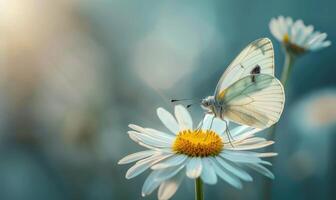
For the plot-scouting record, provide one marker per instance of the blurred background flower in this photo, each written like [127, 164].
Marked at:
[315, 113]
[74, 74]
[296, 39]
[296, 36]
[311, 123]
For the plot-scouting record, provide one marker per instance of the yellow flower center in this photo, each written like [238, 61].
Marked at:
[286, 38]
[291, 46]
[198, 143]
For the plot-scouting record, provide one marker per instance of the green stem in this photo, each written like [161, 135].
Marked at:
[286, 71]
[287, 68]
[198, 189]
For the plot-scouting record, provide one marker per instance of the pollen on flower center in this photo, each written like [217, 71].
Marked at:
[198, 143]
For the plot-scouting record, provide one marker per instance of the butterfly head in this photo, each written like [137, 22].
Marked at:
[208, 103]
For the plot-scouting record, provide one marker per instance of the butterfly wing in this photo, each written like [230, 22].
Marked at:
[256, 100]
[258, 53]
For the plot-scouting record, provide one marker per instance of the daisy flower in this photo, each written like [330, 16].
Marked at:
[316, 113]
[296, 36]
[204, 154]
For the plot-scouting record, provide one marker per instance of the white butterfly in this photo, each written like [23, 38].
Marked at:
[248, 93]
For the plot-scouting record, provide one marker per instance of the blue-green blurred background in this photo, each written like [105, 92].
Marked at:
[75, 73]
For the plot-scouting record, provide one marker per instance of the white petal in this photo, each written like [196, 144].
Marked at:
[243, 157]
[274, 27]
[168, 120]
[208, 119]
[265, 163]
[318, 37]
[234, 170]
[283, 25]
[194, 168]
[261, 169]
[136, 128]
[296, 31]
[208, 173]
[146, 139]
[151, 132]
[299, 38]
[232, 180]
[144, 164]
[253, 146]
[219, 126]
[326, 43]
[253, 154]
[321, 37]
[240, 130]
[159, 134]
[166, 174]
[289, 23]
[136, 156]
[137, 140]
[239, 157]
[183, 117]
[320, 45]
[168, 188]
[249, 141]
[134, 138]
[240, 133]
[170, 162]
[307, 34]
[265, 155]
[148, 146]
[246, 134]
[311, 38]
[150, 184]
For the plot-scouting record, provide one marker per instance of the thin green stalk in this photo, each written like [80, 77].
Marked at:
[286, 71]
[287, 68]
[199, 189]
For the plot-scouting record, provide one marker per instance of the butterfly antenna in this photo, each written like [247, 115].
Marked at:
[189, 105]
[176, 100]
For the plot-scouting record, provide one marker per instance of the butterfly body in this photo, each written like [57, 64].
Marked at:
[211, 106]
[248, 93]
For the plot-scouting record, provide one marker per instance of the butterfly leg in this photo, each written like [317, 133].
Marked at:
[201, 124]
[213, 117]
[227, 131]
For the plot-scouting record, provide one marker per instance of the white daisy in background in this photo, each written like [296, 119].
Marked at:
[296, 36]
[205, 153]
[313, 121]
[315, 113]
